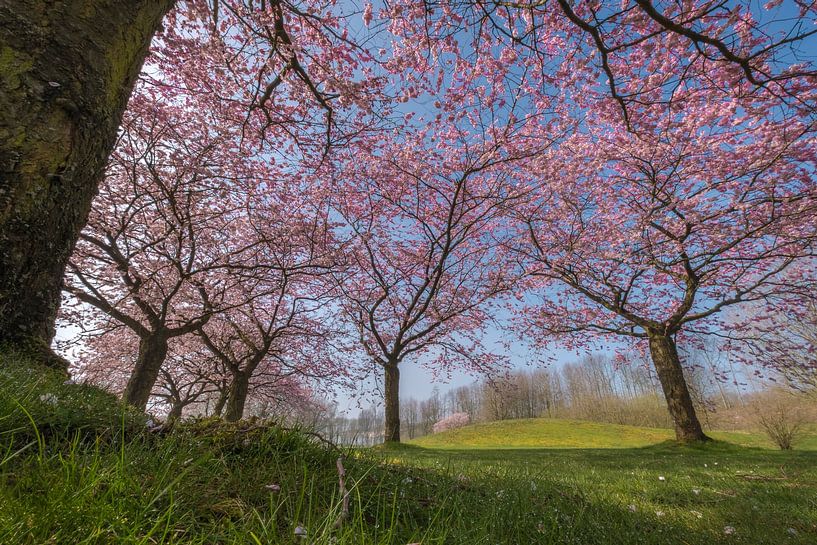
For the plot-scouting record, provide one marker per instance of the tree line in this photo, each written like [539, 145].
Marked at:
[594, 388]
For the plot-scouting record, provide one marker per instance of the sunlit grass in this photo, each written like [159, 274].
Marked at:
[560, 433]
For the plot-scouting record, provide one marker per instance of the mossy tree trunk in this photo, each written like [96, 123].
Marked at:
[67, 69]
[671, 375]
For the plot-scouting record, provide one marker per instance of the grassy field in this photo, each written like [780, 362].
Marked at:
[76, 467]
[596, 483]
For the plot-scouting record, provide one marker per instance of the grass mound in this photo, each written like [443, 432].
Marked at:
[38, 401]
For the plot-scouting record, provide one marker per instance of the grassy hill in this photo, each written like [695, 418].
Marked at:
[558, 433]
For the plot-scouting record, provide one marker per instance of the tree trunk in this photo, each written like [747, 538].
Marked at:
[671, 375]
[152, 354]
[67, 69]
[392, 402]
[175, 411]
[221, 402]
[237, 398]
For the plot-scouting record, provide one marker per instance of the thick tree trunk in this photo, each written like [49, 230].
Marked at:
[67, 69]
[152, 354]
[392, 402]
[237, 397]
[671, 375]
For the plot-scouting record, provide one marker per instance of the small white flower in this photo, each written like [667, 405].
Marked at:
[273, 487]
[632, 508]
[696, 491]
[300, 531]
[49, 399]
[659, 513]
[408, 480]
[729, 530]
[706, 465]
[661, 478]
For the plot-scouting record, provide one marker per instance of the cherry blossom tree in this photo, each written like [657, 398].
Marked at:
[278, 328]
[420, 211]
[190, 235]
[684, 184]
[159, 239]
[651, 234]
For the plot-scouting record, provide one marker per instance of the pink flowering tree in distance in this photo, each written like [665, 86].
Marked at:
[451, 422]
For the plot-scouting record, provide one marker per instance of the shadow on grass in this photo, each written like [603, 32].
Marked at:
[663, 493]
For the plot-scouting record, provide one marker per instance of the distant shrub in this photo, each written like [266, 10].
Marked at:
[456, 420]
[781, 418]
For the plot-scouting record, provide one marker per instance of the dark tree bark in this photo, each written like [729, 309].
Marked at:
[67, 69]
[671, 375]
[152, 354]
[237, 397]
[392, 401]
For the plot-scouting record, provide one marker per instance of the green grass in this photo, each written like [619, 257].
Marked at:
[559, 433]
[79, 468]
[606, 495]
